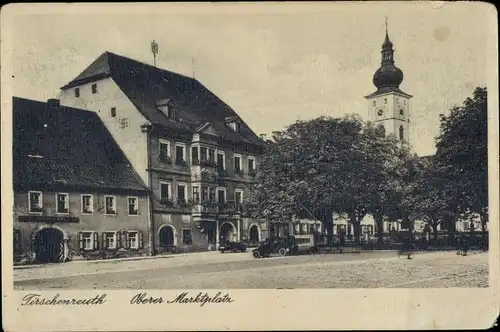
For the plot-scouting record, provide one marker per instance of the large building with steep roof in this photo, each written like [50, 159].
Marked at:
[192, 149]
[75, 193]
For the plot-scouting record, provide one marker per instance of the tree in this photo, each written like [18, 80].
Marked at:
[321, 167]
[462, 155]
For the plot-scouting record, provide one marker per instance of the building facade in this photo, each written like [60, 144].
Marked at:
[75, 194]
[192, 150]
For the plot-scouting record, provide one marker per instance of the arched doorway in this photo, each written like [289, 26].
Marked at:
[254, 234]
[167, 238]
[49, 246]
[227, 232]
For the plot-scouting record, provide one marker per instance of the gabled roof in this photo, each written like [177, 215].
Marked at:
[144, 85]
[57, 145]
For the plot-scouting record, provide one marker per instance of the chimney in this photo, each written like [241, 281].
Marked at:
[52, 102]
[276, 134]
[263, 137]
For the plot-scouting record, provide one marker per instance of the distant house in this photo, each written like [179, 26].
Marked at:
[75, 193]
[192, 149]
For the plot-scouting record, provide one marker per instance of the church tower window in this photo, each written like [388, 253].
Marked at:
[401, 133]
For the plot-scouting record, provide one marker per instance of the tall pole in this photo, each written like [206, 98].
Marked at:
[154, 50]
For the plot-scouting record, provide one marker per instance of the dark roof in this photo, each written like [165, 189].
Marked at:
[388, 89]
[57, 145]
[144, 85]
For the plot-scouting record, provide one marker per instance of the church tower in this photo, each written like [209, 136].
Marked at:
[389, 106]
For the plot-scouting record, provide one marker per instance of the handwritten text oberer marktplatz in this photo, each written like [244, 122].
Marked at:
[37, 299]
[183, 298]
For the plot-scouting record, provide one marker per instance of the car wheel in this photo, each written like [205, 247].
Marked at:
[222, 251]
[256, 254]
[282, 252]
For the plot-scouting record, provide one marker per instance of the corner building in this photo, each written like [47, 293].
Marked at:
[192, 150]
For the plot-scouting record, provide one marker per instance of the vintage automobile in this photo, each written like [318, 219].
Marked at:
[278, 245]
[233, 247]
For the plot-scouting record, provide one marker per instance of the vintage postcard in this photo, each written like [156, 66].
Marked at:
[250, 166]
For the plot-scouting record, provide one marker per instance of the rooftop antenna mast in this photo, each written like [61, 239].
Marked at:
[154, 50]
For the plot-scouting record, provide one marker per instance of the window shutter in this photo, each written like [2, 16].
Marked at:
[96, 241]
[103, 243]
[141, 244]
[119, 240]
[128, 240]
[80, 237]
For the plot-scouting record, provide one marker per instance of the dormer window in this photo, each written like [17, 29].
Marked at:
[165, 106]
[234, 123]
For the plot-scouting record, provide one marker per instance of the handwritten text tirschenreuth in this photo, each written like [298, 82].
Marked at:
[183, 298]
[37, 299]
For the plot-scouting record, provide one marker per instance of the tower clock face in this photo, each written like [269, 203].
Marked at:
[380, 112]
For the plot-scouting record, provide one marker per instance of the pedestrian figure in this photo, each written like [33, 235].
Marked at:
[342, 241]
[465, 245]
[405, 245]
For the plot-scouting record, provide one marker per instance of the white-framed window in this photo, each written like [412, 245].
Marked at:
[87, 204]
[221, 160]
[196, 193]
[251, 164]
[180, 153]
[94, 88]
[195, 154]
[165, 190]
[109, 240]
[110, 207]
[77, 92]
[237, 163]
[62, 203]
[133, 239]
[164, 147]
[211, 154]
[374, 103]
[133, 206]
[35, 201]
[88, 240]
[238, 196]
[182, 191]
[221, 195]
[385, 101]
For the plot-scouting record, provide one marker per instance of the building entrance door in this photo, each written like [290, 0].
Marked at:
[49, 246]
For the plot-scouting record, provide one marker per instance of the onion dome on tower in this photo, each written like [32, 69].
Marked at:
[388, 75]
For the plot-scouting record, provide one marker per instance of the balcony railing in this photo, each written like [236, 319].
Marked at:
[208, 163]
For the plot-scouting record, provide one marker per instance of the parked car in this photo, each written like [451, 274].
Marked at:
[275, 245]
[233, 247]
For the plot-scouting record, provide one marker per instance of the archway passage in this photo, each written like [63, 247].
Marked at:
[227, 233]
[167, 238]
[254, 234]
[49, 246]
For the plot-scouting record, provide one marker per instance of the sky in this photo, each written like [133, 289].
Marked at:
[272, 64]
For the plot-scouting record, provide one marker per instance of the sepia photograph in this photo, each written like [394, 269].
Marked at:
[235, 147]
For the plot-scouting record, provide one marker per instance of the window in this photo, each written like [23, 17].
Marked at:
[181, 192]
[35, 201]
[204, 194]
[251, 165]
[109, 240]
[404, 101]
[164, 150]
[203, 153]
[186, 237]
[133, 206]
[195, 158]
[211, 194]
[180, 157]
[385, 101]
[94, 88]
[110, 205]
[87, 204]
[401, 112]
[113, 112]
[220, 160]
[135, 240]
[165, 192]
[238, 196]
[211, 155]
[237, 164]
[401, 133]
[77, 92]
[62, 203]
[374, 103]
[221, 195]
[196, 193]
[88, 241]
